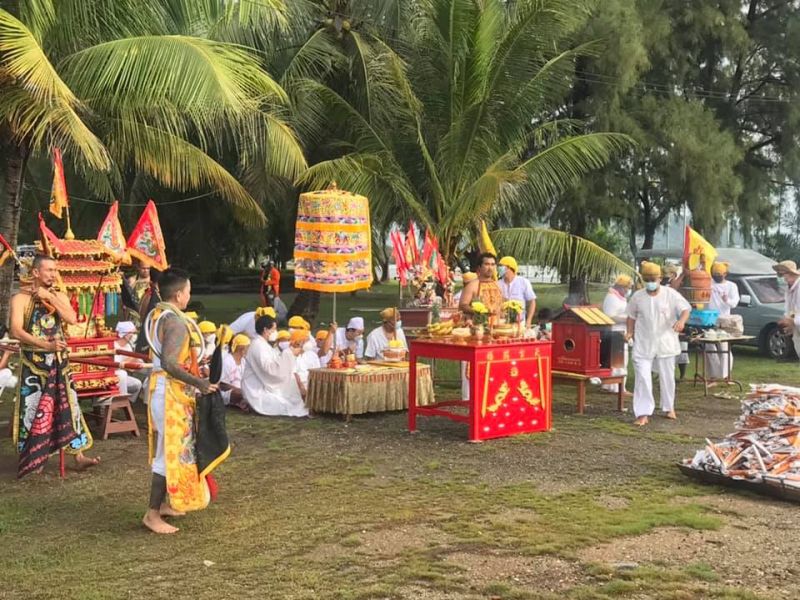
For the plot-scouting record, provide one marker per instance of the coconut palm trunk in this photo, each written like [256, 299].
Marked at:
[16, 157]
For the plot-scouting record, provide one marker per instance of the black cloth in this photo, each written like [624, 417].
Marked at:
[211, 439]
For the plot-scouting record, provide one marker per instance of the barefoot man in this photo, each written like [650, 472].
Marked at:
[47, 416]
[173, 383]
[656, 315]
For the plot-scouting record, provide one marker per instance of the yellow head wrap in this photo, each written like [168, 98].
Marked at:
[240, 341]
[266, 311]
[224, 335]
[469, 276]
[719, 268]
[389, 313]
[510, 262]
[298, 322]
[322, 335]
[207, 327]
[650, 268]
[624, 280]
[299, 335]
[191, 314]
[283, 335]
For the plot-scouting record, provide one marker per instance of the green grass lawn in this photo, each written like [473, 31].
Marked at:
[353, 511]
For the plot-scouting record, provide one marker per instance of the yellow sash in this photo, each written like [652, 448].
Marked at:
[187, 490]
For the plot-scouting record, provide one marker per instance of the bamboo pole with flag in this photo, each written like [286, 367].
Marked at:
[697, 250]
[59, 200]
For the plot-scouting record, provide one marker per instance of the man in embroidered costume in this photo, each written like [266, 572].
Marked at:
[485, 289]
[47, 416]
[173, 386]
[656, 315]
[382, 337]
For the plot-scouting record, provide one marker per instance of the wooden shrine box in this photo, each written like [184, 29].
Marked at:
[578, 339]
[90, 381]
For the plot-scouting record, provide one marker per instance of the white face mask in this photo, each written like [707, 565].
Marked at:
[283, 345]
[651, 286]
[310, 346]
[273, 336]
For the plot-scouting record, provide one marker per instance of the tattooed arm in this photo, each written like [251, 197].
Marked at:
[173, 335]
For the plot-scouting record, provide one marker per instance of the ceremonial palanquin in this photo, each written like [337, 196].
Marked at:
[333, 242]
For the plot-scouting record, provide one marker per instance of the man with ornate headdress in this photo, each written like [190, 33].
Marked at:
[656, 315]
[47, 416]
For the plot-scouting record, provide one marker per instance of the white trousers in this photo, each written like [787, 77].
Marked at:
[717, 363]
[643, 401]
[614, 387]
[156, 408]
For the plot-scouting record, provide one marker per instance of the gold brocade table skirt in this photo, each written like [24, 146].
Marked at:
[368, 389]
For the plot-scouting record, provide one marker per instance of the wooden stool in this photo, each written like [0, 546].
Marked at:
[580, 381]
[111, 425]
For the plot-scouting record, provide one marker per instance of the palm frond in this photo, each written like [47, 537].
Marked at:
[181, 71]
[177, 164]
[562, 251]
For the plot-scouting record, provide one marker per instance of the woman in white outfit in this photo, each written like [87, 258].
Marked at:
[615, 305]
[656, 315]
[268, 384]
[724, 297]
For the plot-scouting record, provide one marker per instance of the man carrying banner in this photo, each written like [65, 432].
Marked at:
[47, 416]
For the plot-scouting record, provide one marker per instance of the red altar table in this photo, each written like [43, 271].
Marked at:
[510, 385]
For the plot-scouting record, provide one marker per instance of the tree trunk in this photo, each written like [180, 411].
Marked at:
[306, 304]
[578, 286]
[649, 236]
[16, 158]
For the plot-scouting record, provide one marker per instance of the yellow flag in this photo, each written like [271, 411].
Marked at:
[484, 241]
[58, 195]
[697, 250]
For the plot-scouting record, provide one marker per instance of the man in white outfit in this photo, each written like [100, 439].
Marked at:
[787, 269]
[656, 315]
[615, 305]
[724, 297]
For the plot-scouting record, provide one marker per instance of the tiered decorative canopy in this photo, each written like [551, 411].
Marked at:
[333, 242]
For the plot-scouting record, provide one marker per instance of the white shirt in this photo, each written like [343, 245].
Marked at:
[519, 289]
[305, 362]
[730, 291]
[343, 343]
[615, 305]
[231, 372]
[377, 342]
[245, 324]
[655, 315]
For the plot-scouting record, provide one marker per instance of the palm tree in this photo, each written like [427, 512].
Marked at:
[159, 88]
[460, 119]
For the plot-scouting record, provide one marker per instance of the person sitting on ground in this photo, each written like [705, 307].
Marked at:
[233, 365]
[380, 338]
[351, 338]
[126, 338]
[246, 322]
[269, 374]
[284, 337]
[298, 322]
[308, 360]
[324, 339]
[209, 331]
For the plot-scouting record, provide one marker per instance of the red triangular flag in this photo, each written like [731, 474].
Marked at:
[110, 234]
[147, 242]
[427, 248]
[51, 245]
